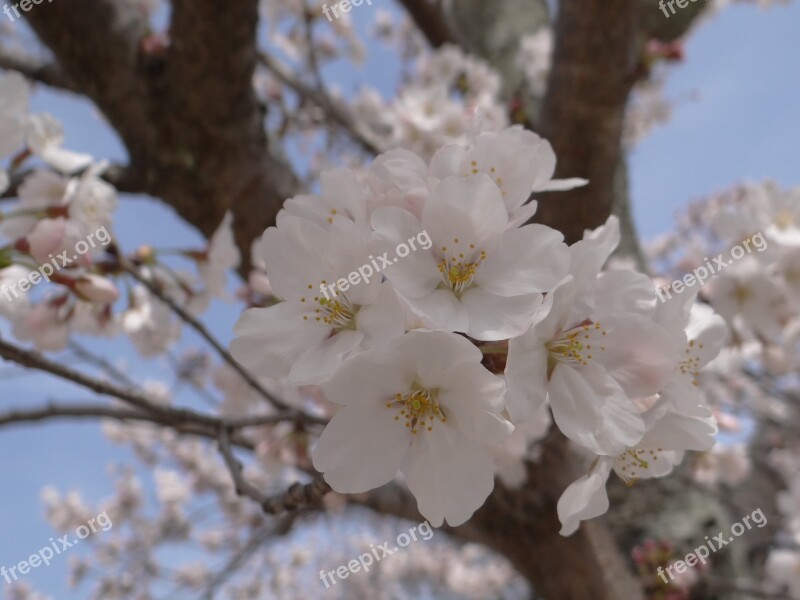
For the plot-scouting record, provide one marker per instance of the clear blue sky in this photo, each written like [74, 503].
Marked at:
[744, 125]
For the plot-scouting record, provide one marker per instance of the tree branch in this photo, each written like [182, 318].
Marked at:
[431, 21]
[36, 70]
[334, 110]
[139, 400]
[298, 496]
[201, 329]
[594, 65]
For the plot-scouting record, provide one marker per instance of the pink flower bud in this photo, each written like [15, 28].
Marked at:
[94, 288]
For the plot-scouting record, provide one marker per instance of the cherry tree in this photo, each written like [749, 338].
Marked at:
[445, 316]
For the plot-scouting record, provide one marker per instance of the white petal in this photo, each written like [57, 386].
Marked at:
[584, 499]
[383, 320]
[638, 354]
[449, 474]
[531, 259]
[442, 308]
[493, 317]
[361, 448]
[472, 399]
[470, 209]
[591, 409]
[415, 275]
[526, 374]
[368, 377]
[432, 353]
[623, 291]
[560, 185]
[319, 363]
[269, 340]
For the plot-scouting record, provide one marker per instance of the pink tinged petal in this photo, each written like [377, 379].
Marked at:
[449, 474]
[432, 353]
[524, 261]
[361, 448]
[526, 376]
[623, 291]
[383, 320]
[472, 399]
[492, 317]
[268, 341]
[320, 363]
[640, 355]
[415, 275]
[584, 499]
[443, 309]
[369, 377]
[468, 209]
[592, 410]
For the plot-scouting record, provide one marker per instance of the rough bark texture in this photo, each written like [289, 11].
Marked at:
[583, 111]
[187, 114]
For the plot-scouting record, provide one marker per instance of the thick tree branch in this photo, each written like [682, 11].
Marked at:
[36, 70]
[187, 112]
[594, 65]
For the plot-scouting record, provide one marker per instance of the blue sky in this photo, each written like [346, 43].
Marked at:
[743, 125]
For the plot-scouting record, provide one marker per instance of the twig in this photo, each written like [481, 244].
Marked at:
[160, 412]
[296, 497]
[218, 347]
[334, 110]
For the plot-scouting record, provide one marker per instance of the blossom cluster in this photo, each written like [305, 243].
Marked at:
[63, 201]
[403, 356]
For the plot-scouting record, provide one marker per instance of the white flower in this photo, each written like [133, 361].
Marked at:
[39, 191]
[45, 136]
[342, 198]
[745, 290]
[149, 323]
[655, 455]
[518, 161]
[478, 277]
[45, 325]
[593, 353]
[92, 201]
[307, 336]
[424, 406]
[13, 300]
